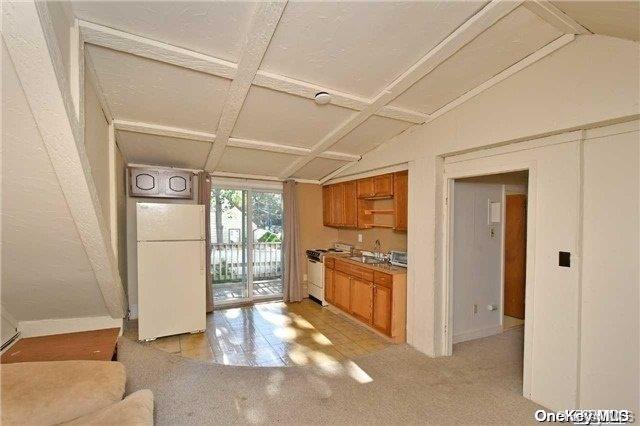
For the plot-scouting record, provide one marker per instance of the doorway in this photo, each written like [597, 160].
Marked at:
[246, 244]
[488, 254]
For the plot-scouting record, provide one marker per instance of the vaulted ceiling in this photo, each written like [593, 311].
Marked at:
[229, 86]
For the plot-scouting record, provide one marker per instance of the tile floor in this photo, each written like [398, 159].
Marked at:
[272, 334]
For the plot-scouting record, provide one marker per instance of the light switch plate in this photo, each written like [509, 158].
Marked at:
[359, 238]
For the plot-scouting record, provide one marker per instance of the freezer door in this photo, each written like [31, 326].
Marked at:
[166, 222]
[171, 288]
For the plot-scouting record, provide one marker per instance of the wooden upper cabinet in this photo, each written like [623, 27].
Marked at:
[327, 198]
[361, 300]
[383, 185]
[337, 205]
[400, 199]
[350, 214]
[376, 186]
[365, 188]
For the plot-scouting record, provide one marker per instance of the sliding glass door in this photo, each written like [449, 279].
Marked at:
[246, 244]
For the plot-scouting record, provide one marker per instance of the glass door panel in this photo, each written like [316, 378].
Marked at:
[267, 232]
[229, 245]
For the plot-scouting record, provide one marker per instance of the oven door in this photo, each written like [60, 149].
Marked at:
[316, 279]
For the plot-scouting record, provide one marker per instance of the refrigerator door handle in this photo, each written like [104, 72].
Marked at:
[202, 257]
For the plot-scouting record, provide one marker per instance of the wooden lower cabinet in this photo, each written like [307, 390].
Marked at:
[376, 298]
[341, 290]
[361, 299]
[382, 309]
[329, 288]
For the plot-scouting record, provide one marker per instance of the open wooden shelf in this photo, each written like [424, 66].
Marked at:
[379, 211]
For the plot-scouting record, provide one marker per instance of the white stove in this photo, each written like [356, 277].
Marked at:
[315, 269]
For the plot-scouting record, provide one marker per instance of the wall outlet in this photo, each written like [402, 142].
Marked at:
[359, 238]
[475, 309]
[304, 277]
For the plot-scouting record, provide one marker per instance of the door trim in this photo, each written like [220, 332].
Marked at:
[446, 331]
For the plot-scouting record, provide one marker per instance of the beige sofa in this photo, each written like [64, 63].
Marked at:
[70, 392]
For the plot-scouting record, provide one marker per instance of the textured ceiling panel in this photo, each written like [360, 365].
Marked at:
[254, 162]
[139, 89]
[318, 168]
[213, 28]
[278, 117]
[511, 39]
[359, 47]
[613, 18]
[369, 135]
[162, 150]
[45, 270]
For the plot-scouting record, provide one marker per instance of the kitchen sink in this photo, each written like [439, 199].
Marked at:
[368, 259]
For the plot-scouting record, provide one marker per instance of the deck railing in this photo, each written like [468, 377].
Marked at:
[229, 261]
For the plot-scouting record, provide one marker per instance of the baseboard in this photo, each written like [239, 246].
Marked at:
[66, 325]
[477, 334]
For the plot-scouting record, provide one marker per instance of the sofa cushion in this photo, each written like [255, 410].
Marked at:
[135, 409]
[58, 391]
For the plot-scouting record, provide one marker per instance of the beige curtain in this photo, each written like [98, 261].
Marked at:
[292, 290]
[204, 198]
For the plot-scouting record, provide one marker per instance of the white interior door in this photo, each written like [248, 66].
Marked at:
[171, 292]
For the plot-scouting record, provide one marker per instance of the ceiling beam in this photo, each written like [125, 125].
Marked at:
[518, 66]
[158, 51]
[28, 34]
[176, 132]
[158, 130]
[263, 26]
[473, 27]
[554, 16]
[151, 49]
[93, 78]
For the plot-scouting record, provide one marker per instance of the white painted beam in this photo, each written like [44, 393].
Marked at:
[93, 77]
[113, 191]
[518, 66]
[158, 130]
[263, 25]
[554, 16]
[309, 90]
[176, 132]
[28, 44]
[151, 49]
[334, 155]
[147, 48]
[337, 172]
[473, 27]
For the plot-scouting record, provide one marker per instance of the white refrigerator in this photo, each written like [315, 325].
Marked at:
[171, 269]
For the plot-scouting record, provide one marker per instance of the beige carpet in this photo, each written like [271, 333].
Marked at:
[480, 384]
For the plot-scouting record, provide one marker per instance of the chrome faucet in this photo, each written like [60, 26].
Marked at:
[376, 249]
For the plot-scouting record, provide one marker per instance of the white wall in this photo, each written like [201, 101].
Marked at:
[476, 261]
[45, 270]
[592, 80]
[610, 352]
[132, 253]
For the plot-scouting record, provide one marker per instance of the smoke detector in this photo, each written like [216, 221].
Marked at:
[322, 98]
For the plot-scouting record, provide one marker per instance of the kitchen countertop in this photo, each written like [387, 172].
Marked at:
[385, 267]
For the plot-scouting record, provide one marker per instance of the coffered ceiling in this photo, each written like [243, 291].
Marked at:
[229, 86]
